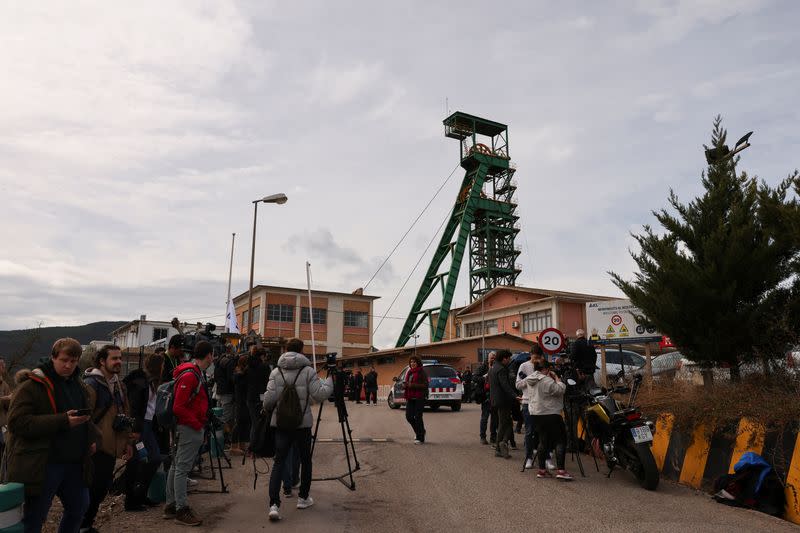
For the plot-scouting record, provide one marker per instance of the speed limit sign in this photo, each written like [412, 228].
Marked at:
[551, 340]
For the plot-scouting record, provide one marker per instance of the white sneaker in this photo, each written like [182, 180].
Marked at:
[305, 503]
[275, 513]
[417, 441]
[191, 482]
[550, 465]
[528, 464]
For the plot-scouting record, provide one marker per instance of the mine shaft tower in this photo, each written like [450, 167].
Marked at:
[483, 217]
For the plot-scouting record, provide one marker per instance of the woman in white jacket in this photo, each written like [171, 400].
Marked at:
[545, 402]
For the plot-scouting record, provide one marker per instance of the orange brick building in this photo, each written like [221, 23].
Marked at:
[520, 311]
[342, 321]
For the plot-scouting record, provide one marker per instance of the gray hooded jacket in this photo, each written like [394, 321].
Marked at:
[546, 395]
[310, 388]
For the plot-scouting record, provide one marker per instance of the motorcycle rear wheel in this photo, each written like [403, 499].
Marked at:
[646, 471]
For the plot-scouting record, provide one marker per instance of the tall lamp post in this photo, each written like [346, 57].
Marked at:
[279, 199]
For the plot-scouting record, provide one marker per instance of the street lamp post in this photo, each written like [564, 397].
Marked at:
[415, 343]
[279, 199]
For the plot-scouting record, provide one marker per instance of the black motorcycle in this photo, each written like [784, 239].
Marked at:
[621, 433]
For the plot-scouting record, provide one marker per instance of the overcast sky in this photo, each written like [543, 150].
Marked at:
[133, 136]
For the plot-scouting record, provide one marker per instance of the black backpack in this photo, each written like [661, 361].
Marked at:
[288, 413]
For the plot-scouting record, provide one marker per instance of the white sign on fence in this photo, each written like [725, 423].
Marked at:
[618, 322]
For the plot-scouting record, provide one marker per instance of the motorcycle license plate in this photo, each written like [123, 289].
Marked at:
[642, 434]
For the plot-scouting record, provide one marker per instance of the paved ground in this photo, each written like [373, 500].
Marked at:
[453, 483]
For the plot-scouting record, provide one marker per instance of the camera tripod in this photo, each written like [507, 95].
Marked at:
[210, 436]
[574, 413]
[347, 433]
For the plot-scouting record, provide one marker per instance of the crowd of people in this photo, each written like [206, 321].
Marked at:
[531, 394]
[69, 430]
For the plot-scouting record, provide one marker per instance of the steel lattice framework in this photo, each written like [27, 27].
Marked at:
[483, 217]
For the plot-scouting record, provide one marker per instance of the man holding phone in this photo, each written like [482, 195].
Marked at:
[51, 439]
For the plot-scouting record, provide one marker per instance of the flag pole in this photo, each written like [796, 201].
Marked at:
[311, 316]
[230, 274]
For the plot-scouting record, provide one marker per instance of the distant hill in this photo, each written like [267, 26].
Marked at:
[14, 342]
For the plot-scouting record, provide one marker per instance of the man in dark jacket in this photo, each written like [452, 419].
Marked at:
[502, 396]
[371, 386]
[51, 438]
[585, 358]
[257, 376]
[142, 385]
[481, 395]
[223, 379]
[173, 357]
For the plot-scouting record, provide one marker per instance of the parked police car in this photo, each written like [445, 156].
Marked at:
[444, 387]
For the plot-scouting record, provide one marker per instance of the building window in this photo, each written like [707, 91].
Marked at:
[386, 360]
[280, 312]
[320, 315]
[256, 314]
[474, 329]
[356, 319]
[245, 314]
[458, 330]
[537, 321]
[160, 333]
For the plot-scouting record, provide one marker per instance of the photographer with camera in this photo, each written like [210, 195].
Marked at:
[110, 415]
[292, 386]
[502, 396]
[545, 402]
[142, 385]
[584, 357]
[223, 378]
[257, 376]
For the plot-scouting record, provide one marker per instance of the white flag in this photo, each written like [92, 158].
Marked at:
[230, 319]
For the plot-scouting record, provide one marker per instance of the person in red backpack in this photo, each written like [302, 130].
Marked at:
[416, 391]
[190, 407]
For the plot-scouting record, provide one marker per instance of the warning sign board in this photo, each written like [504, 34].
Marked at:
[619, 321]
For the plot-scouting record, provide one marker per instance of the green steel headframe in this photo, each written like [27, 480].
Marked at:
[483, 217]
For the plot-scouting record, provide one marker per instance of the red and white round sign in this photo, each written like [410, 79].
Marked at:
[551, 340]
[616, 320]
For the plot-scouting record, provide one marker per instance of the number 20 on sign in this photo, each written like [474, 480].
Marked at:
[551, 340]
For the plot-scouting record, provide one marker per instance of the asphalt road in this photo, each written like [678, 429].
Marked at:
[453, 483]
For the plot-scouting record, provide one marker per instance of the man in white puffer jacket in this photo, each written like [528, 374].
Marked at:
[545, 402]
[525, 370]
[294, 367]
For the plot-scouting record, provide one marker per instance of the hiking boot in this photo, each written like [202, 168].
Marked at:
[169, 512]
[484, 441]
[186, 517]
[305, 503]
[274, 513]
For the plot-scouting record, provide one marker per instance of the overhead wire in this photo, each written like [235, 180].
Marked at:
[396, 246]
[421, 257]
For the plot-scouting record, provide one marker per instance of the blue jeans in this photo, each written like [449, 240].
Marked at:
[291, 468]
[530, 435]
[66, 482]
[486, 411]
[284, 440]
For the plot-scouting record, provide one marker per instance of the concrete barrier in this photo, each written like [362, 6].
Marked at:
[697, 459]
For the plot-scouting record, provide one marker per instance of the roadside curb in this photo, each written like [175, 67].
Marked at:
[697, 459]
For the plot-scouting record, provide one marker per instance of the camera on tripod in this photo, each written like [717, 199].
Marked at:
[330, 361]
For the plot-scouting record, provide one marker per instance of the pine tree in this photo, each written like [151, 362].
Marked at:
[718, 271]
